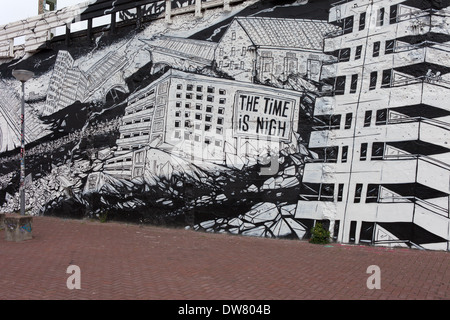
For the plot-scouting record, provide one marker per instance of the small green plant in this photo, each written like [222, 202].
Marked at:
[103, 216]
[319, 235]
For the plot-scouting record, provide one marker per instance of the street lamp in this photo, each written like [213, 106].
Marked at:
[23, 76]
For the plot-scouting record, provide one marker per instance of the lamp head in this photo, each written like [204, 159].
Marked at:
[22, 75]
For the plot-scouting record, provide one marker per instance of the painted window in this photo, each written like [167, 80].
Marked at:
[372, 193]
[381, 117]
[339, 87]
[362, 21]
[387, 77]
[340, 192]
[344, 55]
[344, 155]
[376, 48]
[393, 12]
[380, 17]
[373, 80]
[354, 83]
[377, 151]
[327, 192]
[358, 192]
[358, 52]
[363, 154]
[348, 25]
[348, 120]
[367, 118]
[389, 47]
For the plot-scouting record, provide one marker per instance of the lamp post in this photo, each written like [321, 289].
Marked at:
[23, 76]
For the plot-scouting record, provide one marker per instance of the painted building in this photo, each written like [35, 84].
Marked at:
[180, 53]
[199, 118]
[67, 84]
[264, 49]
[381, 174]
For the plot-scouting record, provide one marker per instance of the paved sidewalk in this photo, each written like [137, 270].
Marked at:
[124, 261]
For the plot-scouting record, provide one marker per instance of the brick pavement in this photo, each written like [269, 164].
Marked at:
[125, 261]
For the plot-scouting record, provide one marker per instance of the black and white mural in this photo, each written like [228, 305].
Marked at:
[259, 120]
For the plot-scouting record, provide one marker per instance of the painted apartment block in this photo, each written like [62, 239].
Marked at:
[382, 132]
[67, 84]
[199, 118]
[260, 49]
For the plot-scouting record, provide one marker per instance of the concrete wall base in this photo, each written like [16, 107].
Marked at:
[18, 228]
[2, 218]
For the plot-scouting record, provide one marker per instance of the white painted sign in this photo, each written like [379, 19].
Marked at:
[263, 116]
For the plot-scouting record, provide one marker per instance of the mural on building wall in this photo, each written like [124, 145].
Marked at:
[261, 121]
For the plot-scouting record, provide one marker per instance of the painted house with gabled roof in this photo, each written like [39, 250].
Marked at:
[268, 50]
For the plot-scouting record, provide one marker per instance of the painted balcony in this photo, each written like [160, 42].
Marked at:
[432, 219]
[135, 141]
[418, 128]
[318, 210]
[433, 173]
[404, 129]
[402, 55]
[373, 171]
[119, 166]
[413, 24]
[137, 126]
[382, 212]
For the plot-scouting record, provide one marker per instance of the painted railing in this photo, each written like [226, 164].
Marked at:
[87, 18]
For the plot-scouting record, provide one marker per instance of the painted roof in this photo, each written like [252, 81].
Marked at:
[281, 32]
[193, 49]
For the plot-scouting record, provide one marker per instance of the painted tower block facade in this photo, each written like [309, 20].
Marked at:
[382, 170]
